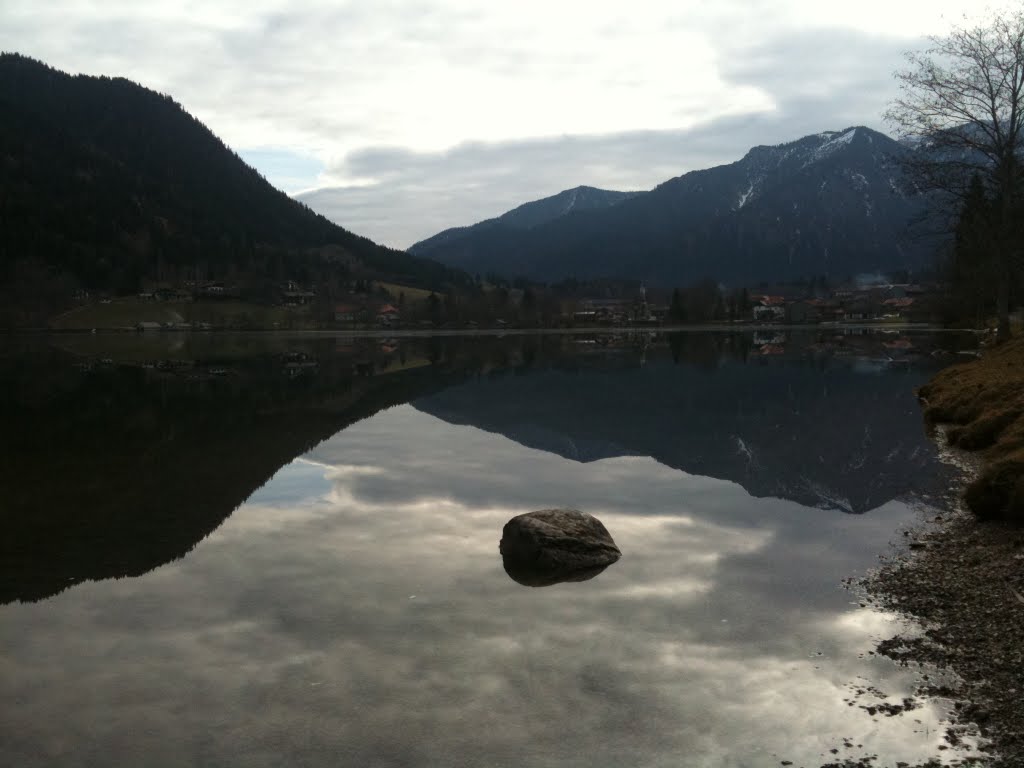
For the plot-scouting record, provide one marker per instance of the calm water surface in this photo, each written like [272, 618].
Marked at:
[265, 551]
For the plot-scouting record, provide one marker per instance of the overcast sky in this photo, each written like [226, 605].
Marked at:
[399, 118]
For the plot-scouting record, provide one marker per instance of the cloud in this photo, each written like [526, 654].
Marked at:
[837, 74]
[815, 80]
[404, 196]
[393, 100]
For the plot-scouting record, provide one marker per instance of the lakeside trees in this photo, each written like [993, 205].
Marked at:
[962, 104]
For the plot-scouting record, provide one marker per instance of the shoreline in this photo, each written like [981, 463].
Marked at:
[511, 331]
[954, 581]
[961, 575]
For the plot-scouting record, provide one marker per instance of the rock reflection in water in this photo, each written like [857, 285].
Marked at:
[550, 546]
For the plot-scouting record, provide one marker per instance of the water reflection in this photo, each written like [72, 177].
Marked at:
[829, 423]
[157, 441]
[352, 610]
[121, 453]
[348, 627]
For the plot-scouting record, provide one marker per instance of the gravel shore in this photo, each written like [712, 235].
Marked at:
[961, 578]
[963, 581]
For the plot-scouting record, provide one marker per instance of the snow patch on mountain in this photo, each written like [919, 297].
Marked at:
[832, 145]
[858, 180]
[744, 197]
[844, 138]
[571, 202]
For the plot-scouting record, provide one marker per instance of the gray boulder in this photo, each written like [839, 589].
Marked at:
[550, 546]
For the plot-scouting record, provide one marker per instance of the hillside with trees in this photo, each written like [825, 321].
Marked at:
[106, 185]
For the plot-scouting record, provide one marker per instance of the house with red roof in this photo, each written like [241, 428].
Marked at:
[388, 314]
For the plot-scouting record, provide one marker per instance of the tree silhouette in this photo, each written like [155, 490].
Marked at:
[962, 101]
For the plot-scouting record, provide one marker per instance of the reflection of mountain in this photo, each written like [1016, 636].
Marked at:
[116, 470]
[575, 447]
[820, 433]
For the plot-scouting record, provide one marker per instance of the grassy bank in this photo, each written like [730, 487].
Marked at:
[983, 402]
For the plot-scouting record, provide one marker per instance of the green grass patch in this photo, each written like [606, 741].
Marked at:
[411, 293]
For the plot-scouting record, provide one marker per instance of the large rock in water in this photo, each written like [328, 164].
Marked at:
[550, 546]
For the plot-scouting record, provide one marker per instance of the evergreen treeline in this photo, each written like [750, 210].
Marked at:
[976, 270]
[105, 184]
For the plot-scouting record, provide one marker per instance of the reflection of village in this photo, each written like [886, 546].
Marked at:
[867, 348]
[213, 358]
[351, 356]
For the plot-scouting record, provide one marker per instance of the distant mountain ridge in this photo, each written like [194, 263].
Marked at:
[833, 203]
[530, 215]
[104, 183]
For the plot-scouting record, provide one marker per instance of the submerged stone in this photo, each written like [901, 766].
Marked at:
[550, 546]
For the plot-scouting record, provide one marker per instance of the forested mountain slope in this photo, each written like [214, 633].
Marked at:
[104, 184]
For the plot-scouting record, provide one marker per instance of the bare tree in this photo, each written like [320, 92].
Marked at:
[962, 104]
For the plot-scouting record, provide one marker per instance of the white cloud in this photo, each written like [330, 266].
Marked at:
[329, 81]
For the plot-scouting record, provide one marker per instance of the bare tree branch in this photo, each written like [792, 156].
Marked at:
[961, 101]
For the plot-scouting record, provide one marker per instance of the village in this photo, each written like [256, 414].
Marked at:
[377, 305]
[907, 302]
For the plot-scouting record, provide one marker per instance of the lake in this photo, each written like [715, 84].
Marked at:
[264, 550]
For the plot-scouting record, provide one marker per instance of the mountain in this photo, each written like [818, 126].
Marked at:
[529, 215]
[104, 183]
[833, 203]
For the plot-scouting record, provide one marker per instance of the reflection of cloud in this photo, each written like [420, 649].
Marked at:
[375, 625]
